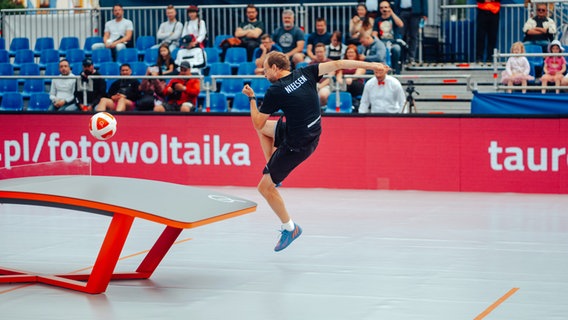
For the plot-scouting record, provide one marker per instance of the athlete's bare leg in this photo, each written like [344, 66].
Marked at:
[266, 136]
[268, 190]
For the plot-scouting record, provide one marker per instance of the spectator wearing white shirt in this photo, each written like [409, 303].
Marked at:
[169, 31]
[382, 94]
[118, 32]
[62, 92]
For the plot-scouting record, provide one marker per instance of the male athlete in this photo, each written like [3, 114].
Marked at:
[287, 144]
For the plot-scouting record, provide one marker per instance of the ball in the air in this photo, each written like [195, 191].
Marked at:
[102, 125]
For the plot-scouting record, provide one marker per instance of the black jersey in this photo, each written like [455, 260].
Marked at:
[297, 96]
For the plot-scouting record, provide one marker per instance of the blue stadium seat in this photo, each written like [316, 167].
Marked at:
[32, 86]
[4, 56]
[75, 55]
[218, 39]
[259, 85]
[232, 86]
[345, 103]
[127, 55]
[240, 103]
[23, 56]
[43, 44]
[301, 65]
[19, 44]
[12, 101]
[2, 44]
[109, 68]
[6, 69]
[48, 56]
[51, 69]
[212, 55]
[101, 55]
[246, 69]
[537, 62]
[67, 43]
[143, 43]
[138, 68]
[76, 67]
[219, 68]
[28, 69]
[39, 101]
[8, 85]
[235, 56]
[89, 41]
[218, 102]
[151, 56]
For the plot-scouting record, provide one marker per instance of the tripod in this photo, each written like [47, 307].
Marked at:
[410, 90]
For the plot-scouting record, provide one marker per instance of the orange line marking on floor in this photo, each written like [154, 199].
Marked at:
[16, 288]
[496, 304]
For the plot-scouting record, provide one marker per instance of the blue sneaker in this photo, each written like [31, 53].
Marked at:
[287, 237]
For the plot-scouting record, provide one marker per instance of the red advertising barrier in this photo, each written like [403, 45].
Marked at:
[400, 153]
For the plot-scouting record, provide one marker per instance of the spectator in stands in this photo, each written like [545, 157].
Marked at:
[554, 66]
[250, 31]
[62, 92]
[382, 94]
[118, 32]
[182, 93]
[122, 94]
[324, 89]
[487, 29]
[95, 88]
[165, 63]
[196, 27]
[371, 49]
[411, 12]
[319, 36]
[540, 29]
[336, 49]
[170, 30]
[517, 69]
[152, 92]
[386, 29]
[352, 85]
[266, 46]
[360, 23]
[290, 38]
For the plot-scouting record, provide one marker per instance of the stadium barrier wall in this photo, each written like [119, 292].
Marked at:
[526, 155]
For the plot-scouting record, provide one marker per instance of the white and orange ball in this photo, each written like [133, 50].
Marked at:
[102, 125]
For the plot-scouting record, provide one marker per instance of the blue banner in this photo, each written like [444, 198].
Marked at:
[519, 103]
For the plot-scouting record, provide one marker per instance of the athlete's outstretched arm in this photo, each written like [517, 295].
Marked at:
[332, 66]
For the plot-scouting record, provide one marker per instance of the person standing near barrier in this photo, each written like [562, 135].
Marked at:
[170, 30]
[286, 144]
[118, 32]
[411, 12]
[382, 94]
[487, 29]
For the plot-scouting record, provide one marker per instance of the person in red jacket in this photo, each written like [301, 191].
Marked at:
[182, 93]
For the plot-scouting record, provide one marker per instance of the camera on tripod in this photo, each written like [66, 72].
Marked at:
[410, 88]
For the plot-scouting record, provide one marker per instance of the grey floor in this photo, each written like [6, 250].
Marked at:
[391, 255]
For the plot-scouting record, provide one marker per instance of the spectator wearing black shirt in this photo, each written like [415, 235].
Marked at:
[122, 94]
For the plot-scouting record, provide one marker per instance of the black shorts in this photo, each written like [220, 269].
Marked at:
[285, 159]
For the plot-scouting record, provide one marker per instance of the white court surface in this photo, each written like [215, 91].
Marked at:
[364, 254]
